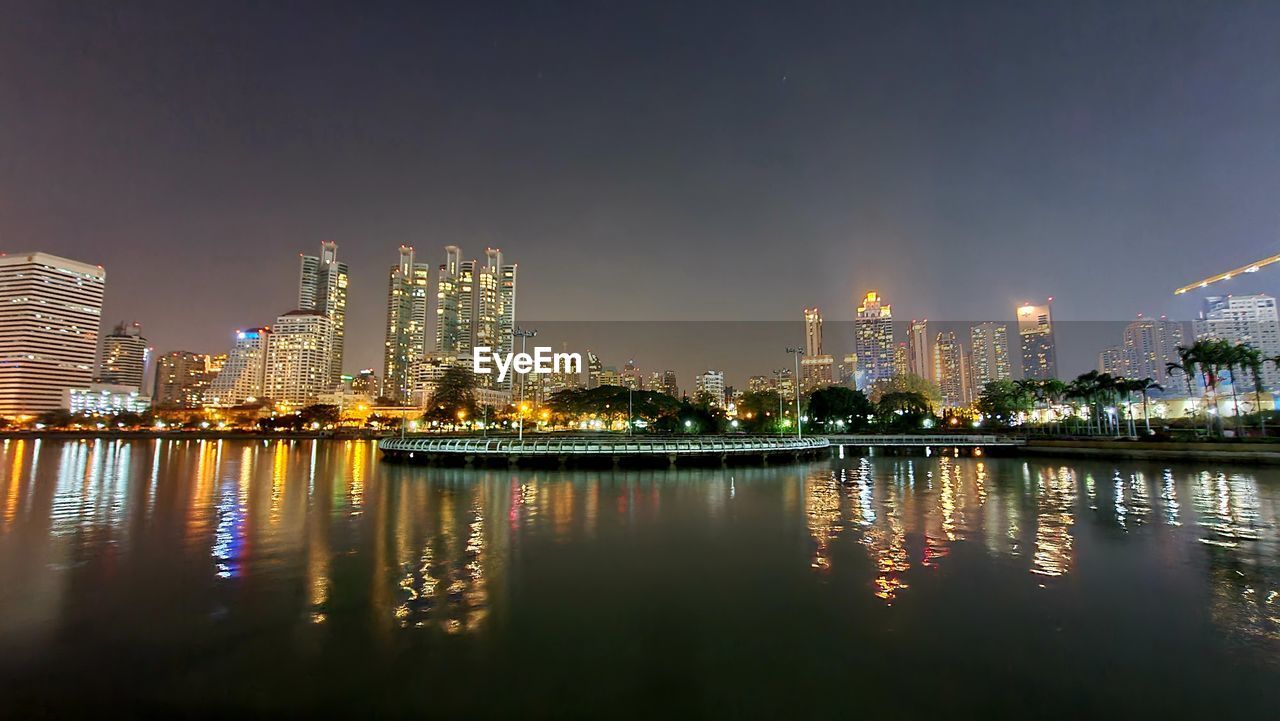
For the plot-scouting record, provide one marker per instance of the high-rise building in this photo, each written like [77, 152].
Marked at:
[182, 379]
[1039, 348]
[50, 313]
[812, 332]
[760, 384]
[948, 369]
[322, 289]
[1245, 319]
[1114, 361]
[241, 378]
[125, 356]
[298, 353]
[901, 360]
[594, 370]
[873, 339]
[406, 337]
[1149, 344]
[817, 371]
[475, 305]
[989, 345]
[631, 376]
[366, 383]
[919, 359]
[710, 384]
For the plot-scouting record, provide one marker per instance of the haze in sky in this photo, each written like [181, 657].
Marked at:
[653, 161]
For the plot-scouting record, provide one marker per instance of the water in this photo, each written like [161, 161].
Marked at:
[253, 578]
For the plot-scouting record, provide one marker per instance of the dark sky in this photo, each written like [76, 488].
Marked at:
[645, 160]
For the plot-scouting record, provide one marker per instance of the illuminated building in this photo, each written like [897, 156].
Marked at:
[631, 376]
[1113, 360]
[901, 362]
[664, 382]
[594, 368]
[1148, 345]
[322, 289]
[366, 382]
[812, 332]
[610, 376]
[406, 336]
[759, 384]
[299, 349]
[1244, 319]
[817, 371]
[107, 399]
[50, 313]
[919, 359]
[948, 369]
[182, 379]
[989, 344]
[125, 355]
[847, 371]
[873, 339]
[1039, 348]
[710, 384]
[241, 377]
[475, 305]
[425, 373]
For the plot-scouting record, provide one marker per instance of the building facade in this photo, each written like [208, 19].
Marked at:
[948, 369]
[919, 358]
[125, 356]
[1039, 347]
[710, 384]
[989, 346]
[322, 289]
[873, 339]
[299, 351]
[182, 380]
[407, 313]
[241, 378]
[50, 313]
[1246, 319]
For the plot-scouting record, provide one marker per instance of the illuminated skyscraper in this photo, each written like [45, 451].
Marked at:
[1039, 349]
[873, 339]
[322, 288]
[710, 385]
[919, 359]
[50, 313]
[1148, 345]
[948, 369]
[901, 360]
[125, 356]
[298, 352]
[475, 305]
[812, 332]
[1114, 361]
[242, 374]
[406, 337]
[989, 344]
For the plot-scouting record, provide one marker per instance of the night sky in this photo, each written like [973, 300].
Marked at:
[645, 161]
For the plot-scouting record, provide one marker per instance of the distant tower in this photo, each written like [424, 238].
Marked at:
[125, 356]
[406, 337]
[919, 359]
[990, 346]
[1039, 348]
[322, 288]
[873, 339]
[812, 332]
[948, 366]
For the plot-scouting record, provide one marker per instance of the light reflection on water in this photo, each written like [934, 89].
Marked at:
[313, 534]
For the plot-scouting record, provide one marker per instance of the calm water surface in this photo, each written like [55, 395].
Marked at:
[252, 578]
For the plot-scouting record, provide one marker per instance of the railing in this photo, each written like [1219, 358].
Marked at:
[938, 440]
[603, 446]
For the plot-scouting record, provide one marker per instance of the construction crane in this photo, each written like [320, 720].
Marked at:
[1251, 268]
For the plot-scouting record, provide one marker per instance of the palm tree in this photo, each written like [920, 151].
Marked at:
[1231, 357]
[1252, 359]
[1145, 386]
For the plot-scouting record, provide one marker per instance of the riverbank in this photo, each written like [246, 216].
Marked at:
[1259, 452]
[199, 435]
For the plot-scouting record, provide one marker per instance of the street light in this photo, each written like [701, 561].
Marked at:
[795, 381]
[523, 335]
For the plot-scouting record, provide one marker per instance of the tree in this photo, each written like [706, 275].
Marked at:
[758, 411]
[57, 418]
[1001, 401]
[908, 383]
[843, 407]
[324, 414]
[903, 410]
[454, 399]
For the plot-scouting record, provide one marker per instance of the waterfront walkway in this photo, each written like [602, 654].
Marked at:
[565, 449]
[940, 440]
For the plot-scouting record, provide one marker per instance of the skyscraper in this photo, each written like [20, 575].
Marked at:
[182, 379]
[1246, 319]
[873, 339]
[989, 344]
[1114, 361]
[812, 332]
[948, 368]
[406, 337]
[125, 355]
[299, 350]
[241, 377]
[50, 312]
[475, 305]
[919, 359]
[709, 385]
[322, 289]
[495, 307]
[1039, 349]
[1148, 345]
